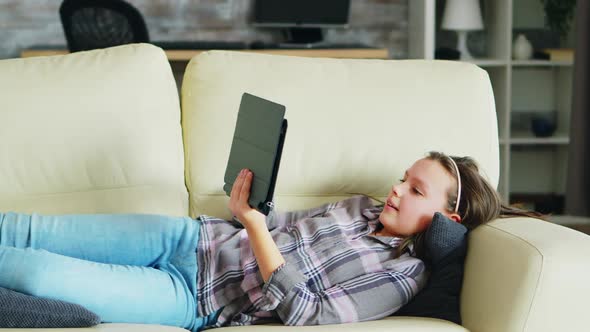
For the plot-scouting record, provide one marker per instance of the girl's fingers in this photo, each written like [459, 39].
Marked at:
[239, 183]
[240, 186]
[240, 193]
[245, 193]
[235, 190]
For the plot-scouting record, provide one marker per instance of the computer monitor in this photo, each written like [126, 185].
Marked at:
[301, 20]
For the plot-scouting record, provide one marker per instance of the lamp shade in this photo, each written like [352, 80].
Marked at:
[462, 15]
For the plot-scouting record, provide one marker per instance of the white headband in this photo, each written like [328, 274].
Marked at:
[458, 184]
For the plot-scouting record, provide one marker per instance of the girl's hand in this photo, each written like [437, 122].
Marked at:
[265, 250]
[238, 199]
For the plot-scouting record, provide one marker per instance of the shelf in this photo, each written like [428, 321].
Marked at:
[541, 63]
[566, 220]
[535, 86]
[532, 140]
[186, 55]
[543, 202]
[486, 62]
[560, 139]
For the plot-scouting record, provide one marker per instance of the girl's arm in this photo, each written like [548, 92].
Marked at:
[267, 253]
[368, 296]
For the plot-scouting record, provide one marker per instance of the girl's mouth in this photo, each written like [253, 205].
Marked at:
[392, 206]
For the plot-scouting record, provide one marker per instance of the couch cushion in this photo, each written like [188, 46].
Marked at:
[354, 125]
[91, 132]
[406, 324]
[19, 310]
[390, 324]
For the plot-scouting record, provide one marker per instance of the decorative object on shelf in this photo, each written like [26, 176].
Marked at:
[559, 15]
[447, 53]
[539, 37]
[462, 16]
[559, 54]
[544, 124]
[522, 49]
[478, 43]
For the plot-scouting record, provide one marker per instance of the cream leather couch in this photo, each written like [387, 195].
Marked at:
[103, 132]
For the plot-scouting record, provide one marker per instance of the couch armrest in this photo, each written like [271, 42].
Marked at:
[525, 274]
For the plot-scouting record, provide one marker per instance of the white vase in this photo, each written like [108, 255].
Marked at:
[522, 48]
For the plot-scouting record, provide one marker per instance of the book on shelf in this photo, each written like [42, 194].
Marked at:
[559, 54]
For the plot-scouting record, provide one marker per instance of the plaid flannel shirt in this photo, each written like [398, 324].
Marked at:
[335, 270]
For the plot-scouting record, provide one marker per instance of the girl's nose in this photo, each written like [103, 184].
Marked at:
[397, 190]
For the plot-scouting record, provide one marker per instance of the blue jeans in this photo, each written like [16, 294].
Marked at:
[126, 268]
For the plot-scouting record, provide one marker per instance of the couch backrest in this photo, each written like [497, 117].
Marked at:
[355, 126]
[91, 132]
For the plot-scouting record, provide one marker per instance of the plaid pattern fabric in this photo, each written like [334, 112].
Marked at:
[335, 270]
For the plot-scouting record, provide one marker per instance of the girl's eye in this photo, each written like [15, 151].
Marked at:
[417, 191]
[402, 180]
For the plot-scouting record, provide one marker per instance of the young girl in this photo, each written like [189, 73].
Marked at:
[342, 262]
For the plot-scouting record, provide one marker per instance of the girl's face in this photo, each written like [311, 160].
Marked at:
[414, 200]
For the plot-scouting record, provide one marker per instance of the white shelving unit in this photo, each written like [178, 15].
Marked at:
[528, 164]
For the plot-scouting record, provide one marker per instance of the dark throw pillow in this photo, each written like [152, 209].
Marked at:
[445, 247]
[18, 310]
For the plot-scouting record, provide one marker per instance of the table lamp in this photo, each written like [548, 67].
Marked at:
[462, 16]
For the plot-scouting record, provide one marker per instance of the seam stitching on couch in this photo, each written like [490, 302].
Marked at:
[524, 328]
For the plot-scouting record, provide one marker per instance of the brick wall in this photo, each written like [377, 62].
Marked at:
[26, 23]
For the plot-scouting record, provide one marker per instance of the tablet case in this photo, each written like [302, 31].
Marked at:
[257, 145]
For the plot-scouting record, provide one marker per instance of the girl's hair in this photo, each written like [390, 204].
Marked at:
[479, 202]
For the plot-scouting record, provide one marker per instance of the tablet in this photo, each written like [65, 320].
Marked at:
[257, 145]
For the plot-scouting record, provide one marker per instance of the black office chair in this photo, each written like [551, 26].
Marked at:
[91, 24]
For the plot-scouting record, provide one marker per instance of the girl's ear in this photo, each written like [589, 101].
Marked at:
[455, 217]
